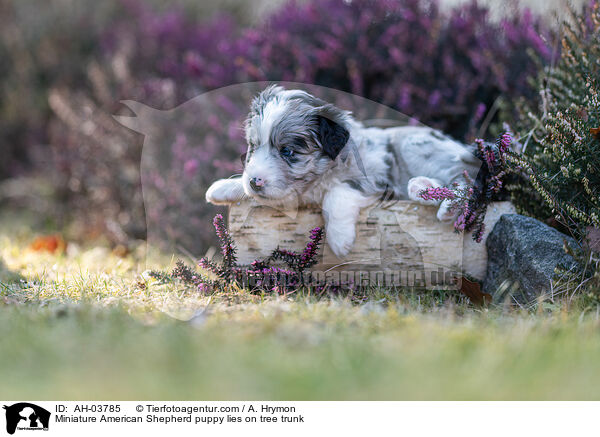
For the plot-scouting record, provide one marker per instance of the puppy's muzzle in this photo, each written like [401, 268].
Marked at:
[257, 184]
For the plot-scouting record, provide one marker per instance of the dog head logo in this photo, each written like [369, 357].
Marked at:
[26, 416]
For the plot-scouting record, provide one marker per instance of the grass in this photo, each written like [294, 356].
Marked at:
[90, 325]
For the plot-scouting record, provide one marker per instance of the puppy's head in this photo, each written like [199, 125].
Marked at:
[293, 139]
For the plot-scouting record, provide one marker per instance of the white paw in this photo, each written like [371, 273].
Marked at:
[445, 213]
[225, 191]
[340, 240]
[418, 184]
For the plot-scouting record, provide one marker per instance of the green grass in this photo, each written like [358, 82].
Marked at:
[89, 325]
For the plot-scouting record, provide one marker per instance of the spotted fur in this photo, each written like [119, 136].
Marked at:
[307, 151]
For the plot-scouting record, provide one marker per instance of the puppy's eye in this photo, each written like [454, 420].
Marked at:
[286, 152]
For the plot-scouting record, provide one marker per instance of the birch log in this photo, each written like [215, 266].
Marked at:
[406, 237]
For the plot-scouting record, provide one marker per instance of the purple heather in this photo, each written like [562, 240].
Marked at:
[438, 193]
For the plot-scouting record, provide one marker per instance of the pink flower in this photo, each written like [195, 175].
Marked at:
[460, 224]
[204, 288]
[439, 193]
[479, 112]
[490, 158]
[505, 142]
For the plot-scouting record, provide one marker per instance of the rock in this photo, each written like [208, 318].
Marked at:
[522, 256]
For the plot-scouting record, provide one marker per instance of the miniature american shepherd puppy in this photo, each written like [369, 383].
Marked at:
[305, 151]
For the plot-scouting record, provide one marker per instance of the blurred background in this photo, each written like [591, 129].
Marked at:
[460, 66]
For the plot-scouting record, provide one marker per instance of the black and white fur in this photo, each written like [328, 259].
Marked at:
[303, 150]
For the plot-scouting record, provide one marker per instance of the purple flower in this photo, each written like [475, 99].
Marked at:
[439, 193]
[204, 288]
[470, 201]
[459, 223]
[490, 158]
[479, 112]
[505, 142]
[308, 256]
[227, 246]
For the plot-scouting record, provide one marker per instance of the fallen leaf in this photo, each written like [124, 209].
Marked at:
[473, 291]
[120, 250]
[49, 243]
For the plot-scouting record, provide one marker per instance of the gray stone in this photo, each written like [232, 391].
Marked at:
[522, 256]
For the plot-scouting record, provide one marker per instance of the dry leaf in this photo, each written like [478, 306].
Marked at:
[120, 250]
[473, 291]
[49, 243]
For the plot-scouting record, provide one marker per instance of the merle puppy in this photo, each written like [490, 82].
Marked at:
[303, 150]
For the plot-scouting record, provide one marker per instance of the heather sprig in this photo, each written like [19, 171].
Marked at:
[469, 201]
[308, 258]
[289, 257]
[227, 245]
[210, 266]
[438, 193]
[259, 275]
[191, 277]
[183, 272]
[304, 260]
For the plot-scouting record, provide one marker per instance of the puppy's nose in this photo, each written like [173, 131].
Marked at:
[257, 183]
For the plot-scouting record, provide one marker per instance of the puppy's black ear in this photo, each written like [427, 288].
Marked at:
[333, 136]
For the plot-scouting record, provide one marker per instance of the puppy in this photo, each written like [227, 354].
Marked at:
[303, 150]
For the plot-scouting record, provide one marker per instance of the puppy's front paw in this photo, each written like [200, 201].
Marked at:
[225, 192]
[445, 212]
[340, 240]
[418, 184]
